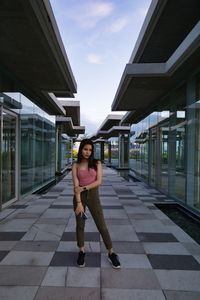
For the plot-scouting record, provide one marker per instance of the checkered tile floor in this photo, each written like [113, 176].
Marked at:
[38, 248]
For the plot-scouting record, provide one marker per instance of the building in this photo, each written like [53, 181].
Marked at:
[160, 89]
[34, 71]
[112, 142]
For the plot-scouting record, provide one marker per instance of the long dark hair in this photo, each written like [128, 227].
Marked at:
[92, 162]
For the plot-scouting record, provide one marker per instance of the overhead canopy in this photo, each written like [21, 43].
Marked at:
[32, 51]
[100, 140]
[72, 109]
[113, 132]
[110, 121]
[9, 102]
[68, 126]
[110, 128]
[166, 25]
[142, 86]
[167, 50]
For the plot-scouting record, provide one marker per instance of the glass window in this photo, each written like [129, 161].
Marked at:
[114, 151]
[106, 153]
[37, 144]
[197, 146]
[8, 157]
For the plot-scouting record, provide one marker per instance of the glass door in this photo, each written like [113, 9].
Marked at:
[163, 137]
[8, 164]
[153, 156]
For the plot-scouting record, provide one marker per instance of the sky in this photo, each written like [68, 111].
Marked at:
[99, 37]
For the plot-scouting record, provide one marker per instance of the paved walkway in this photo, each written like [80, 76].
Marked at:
[38, 249]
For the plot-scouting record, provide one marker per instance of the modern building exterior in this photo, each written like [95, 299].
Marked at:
[67, 130]
[34, 71]
[112, 142]
[160, 89]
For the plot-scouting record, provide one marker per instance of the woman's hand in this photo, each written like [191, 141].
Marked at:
[78, 189]
[79, 209]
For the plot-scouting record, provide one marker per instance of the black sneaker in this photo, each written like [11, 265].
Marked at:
[81, 259]
[113, 258]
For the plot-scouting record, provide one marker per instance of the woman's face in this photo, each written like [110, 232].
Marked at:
[87, 151]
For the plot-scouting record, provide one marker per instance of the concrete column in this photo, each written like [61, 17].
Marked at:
[58, 148]
[109, 153]
[102, 151]
[124, 151]
[172, 150]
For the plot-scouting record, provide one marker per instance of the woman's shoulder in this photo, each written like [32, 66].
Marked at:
[74, 164]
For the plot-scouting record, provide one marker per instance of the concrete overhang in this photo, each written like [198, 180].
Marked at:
[166, 25]
[68, 126]
[142, 86]
[72, 109]
[134, 116]
[100, 141]
[93, 137]
[32, 51]
[9, 102]
[110, 121]
[113, 132]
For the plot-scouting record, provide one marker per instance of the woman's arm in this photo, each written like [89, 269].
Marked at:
[95, 183]
[79, 208]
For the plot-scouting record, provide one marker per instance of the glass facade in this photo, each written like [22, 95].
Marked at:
[64, 146]
[164, 147]
[139, 142]
[97, 151]
[8, 156]
[123, 150]
[106, 153]
[35, 137]
[114, 141]
[197, 144]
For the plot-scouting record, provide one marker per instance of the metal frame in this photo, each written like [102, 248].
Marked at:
[17, 159]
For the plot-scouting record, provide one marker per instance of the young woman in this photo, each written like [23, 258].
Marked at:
[87, 177]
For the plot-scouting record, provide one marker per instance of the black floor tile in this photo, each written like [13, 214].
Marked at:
[18, 206]
[156, 237]
[49, 197]
[88, 236]
[181, 295]
[173, 262]
[57, 189]
[61, 206]
[3, 254]
[112, 206]
[107, 195]
[11, 236]
[125, 197]
[70, 258]
[153, 208]
[123, 191]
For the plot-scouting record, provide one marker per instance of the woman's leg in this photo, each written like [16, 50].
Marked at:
[80, 226]
[96, 211]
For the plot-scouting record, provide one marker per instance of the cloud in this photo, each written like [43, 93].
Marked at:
[93, 58]
[91, 126]
[89, 13]
[119, 24]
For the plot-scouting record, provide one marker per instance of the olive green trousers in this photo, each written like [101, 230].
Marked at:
[91, 200]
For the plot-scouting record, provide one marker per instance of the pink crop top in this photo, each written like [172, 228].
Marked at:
[86, 176]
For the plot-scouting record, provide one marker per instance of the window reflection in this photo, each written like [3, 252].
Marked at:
[37, 144]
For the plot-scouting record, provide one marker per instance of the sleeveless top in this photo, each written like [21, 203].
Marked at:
[86, 176]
